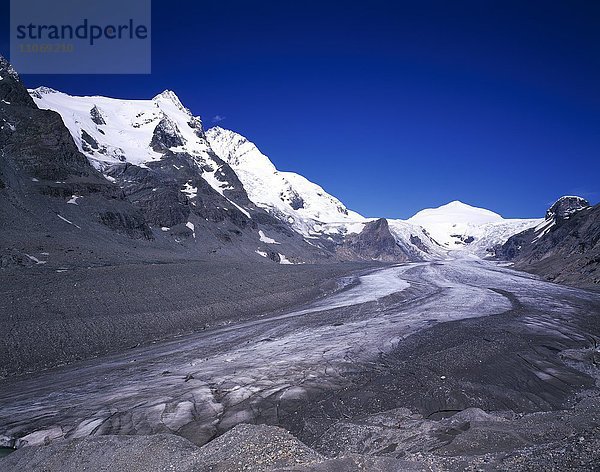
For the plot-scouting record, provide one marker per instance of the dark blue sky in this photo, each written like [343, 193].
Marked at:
[390, 106]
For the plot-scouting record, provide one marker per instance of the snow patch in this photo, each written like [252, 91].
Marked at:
[67, 221]
[35, 259]
[239, 208]
[190, 190]
[284, 260]
[265, 239]
[191, 226]
[219, 185]
[543, 228]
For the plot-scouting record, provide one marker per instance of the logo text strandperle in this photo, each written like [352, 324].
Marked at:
[83, 31]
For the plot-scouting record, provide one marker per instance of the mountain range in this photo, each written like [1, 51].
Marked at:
[143, 176]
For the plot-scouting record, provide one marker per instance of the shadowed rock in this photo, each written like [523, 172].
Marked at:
[375, 242]
[166, 135]
[11, 88]
[564, 249]
[97, 116]
[564, 207]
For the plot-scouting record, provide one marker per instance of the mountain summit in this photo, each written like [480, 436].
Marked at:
[287, 195]
[564, 247]
[566, 206]
[214, 190]
[458, 225]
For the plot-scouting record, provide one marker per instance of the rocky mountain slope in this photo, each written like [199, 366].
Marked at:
[158, 154]
[200, 193]
[51, 198]
[88, 265]
[287, 195]
[374, 242]
[317, 215]
[186, 180]
[564, 247]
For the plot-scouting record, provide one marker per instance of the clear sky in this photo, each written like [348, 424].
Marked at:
[390, 106]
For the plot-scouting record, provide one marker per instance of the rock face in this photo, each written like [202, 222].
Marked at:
[564, 248]
[156, 152]
[166, 135]
[41, 168]
[12, 91]
[564, 207]
[96, 115]
[34, 140]
[374, 243]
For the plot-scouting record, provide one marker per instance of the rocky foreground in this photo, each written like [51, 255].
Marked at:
[470, 440]
[454, 365]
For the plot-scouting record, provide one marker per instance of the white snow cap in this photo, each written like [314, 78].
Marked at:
[125, 131]
[453, 224]
[284, 194]
[129, 127]
[172, 97]
[453, 218]
[458, 212]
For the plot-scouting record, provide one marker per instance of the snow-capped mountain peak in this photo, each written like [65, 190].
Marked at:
[455, 212]
[7, 68]
[237, 150]
[170, 96]
[304, 204]
[111, 132]
[457, 225]
[561, 210]
[565, 206]
[142, 132]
